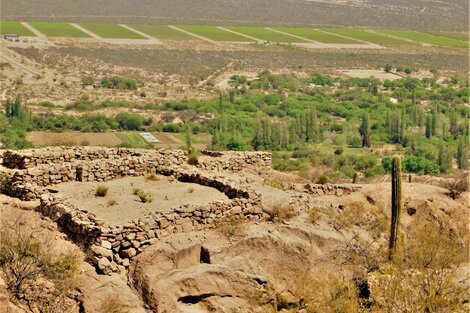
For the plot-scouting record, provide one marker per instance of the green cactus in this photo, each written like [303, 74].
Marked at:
[396, 205]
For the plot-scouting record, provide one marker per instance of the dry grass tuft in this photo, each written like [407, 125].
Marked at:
[152, 177]
[279, 212]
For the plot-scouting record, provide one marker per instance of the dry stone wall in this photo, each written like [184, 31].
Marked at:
[31, 174]
[330, 189]
[38, 168]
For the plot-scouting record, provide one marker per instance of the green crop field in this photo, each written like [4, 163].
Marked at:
[13, 27]
[427, 38]
[316, 35]
[264, 34]
[214, 33]
[58, 29]
[163, 32]
[368, 36]
[111, 31]
[454, 35]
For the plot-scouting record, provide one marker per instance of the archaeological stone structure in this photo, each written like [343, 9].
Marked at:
[32, 175]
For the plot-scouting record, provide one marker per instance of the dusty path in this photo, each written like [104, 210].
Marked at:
[34, 30]
[17, 64]
[193, 35]
[295, 36]
[346, 37]
[399, 38]
[239, 34]
[86, 31]
[155, 40]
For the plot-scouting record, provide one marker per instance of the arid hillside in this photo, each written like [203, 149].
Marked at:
[276, 243]
[417, 14]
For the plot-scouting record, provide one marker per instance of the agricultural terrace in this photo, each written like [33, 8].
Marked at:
[317, 35]
[454, 35]
[264, 34]
[111, 31]
[163, 32]
[368, 36]
[13, 27]
[214, 33]
[427, 38]
[53, 29]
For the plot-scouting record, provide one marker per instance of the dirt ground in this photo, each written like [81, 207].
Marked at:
[58, 139]
[166, 195]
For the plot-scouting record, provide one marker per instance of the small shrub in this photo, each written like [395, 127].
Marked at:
[152, 177]
[190, 190]
[280, 212]
[112, 202]
[323, 180]
[84, 143]
[101, 191]
[136, 191]
[145, 197]
[313, 216]
[193, 158]
[231, 228]
[456, 187]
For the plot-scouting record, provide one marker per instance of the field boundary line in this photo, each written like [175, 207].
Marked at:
[139, 33]
[193, 35]
[378, 32]
[240, 34]
[86, 31]
[350, 38]
[34, 30]
[291, 35]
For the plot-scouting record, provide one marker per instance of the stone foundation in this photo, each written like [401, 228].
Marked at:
[32, 174]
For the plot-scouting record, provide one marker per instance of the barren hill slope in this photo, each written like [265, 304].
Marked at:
[419, 14]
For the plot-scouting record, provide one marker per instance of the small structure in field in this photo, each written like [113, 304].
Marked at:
[148, 137]
[11, 37]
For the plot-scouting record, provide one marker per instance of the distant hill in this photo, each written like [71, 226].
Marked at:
[415, 14]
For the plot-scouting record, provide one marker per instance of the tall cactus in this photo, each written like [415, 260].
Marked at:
[396, 205]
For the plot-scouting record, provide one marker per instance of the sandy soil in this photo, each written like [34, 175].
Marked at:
[363, 73]
[166, 195]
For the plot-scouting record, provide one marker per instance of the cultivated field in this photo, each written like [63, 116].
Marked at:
[427, 38]
[163, 32]
[11, 27]
[385, 37]
[111, 31]
[58, 29]
[214, 33]
[454, 35]
[316, 35]
[368, 36]
[264, 34]
[113, 139]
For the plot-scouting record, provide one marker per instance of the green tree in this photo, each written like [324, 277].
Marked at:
[444, 159]
[428, 131]
[462, 153]
[364, 130]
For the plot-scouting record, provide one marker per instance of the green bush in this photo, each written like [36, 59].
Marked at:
[101, 191]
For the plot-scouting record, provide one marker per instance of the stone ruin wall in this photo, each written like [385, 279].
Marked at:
[31, 172]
